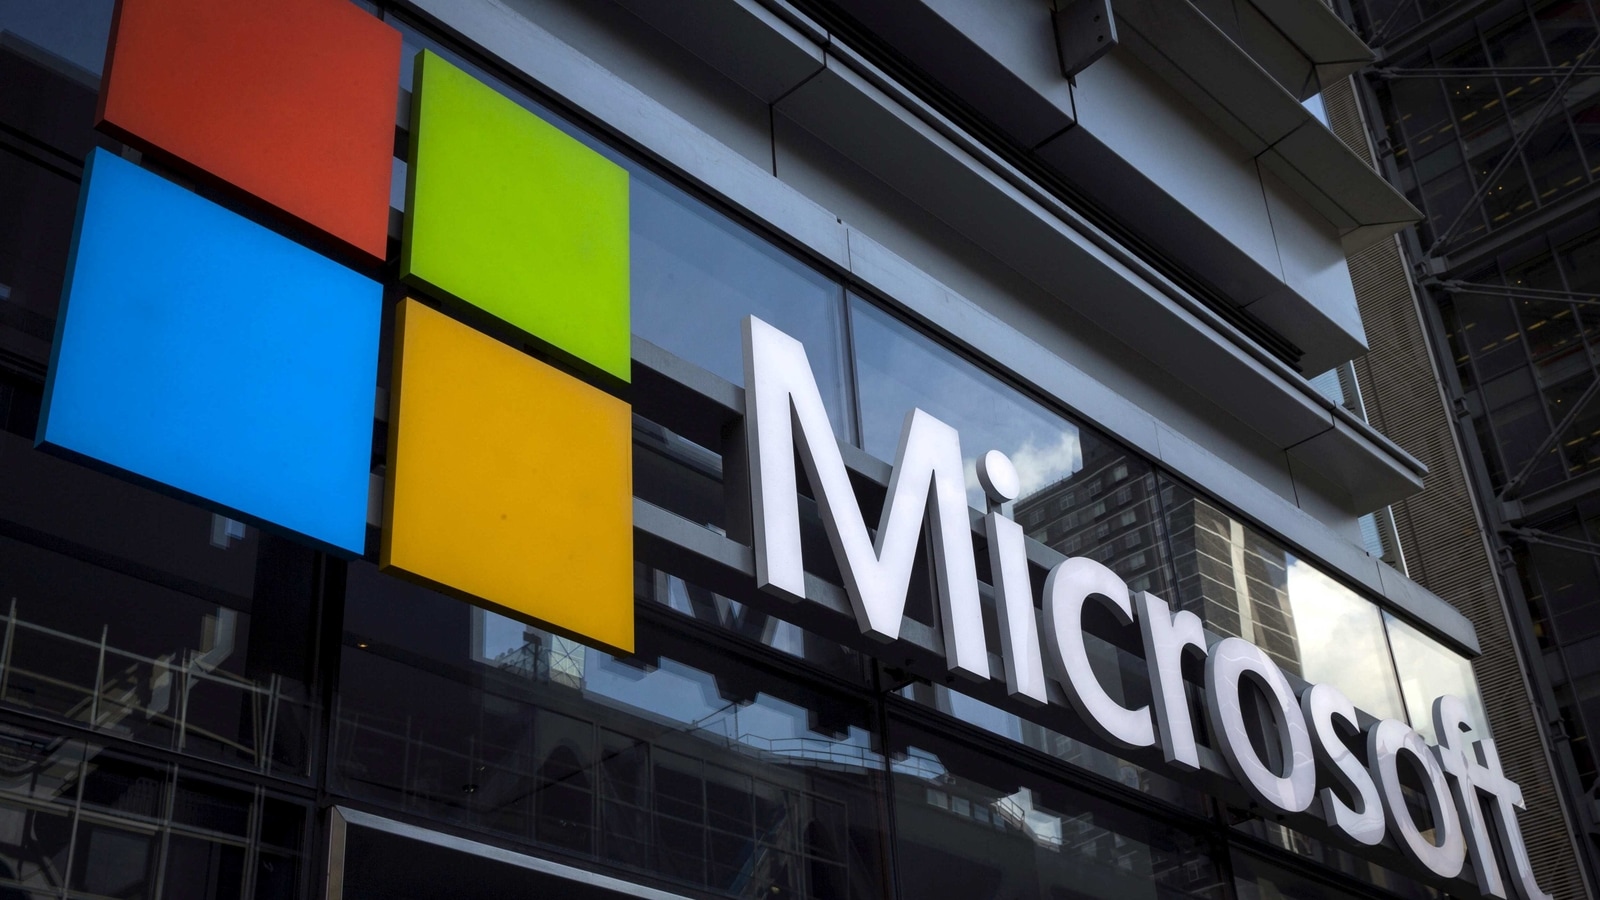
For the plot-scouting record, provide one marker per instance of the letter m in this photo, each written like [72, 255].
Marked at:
[784, 413]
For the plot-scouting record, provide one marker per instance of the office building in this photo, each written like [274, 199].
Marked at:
[444, 444]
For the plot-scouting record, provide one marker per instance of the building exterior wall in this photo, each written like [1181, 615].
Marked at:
[197, 705]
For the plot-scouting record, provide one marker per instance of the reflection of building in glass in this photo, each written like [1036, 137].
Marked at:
[1231, 577]
[1110, 511]
[1107, 511]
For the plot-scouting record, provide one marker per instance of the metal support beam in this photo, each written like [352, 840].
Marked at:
[1573, 545]
[1513, 151]
[1486, 72]
[1515, 484]
[1520, 293]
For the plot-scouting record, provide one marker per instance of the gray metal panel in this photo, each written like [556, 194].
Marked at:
[1213, 65]
[740, 38]
[1273, 51]
[1137, 118]
[998, 57]
[636, 52]
[924, 151]
[1319, 33]
[1204, 63]
[1318, 156]
[853, 116]
[1142, 205]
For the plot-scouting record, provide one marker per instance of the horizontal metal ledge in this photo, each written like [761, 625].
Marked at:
[1202, 62]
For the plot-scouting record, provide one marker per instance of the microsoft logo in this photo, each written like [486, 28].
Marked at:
[214, 357]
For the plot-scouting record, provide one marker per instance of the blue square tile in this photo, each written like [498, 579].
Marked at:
[213, 358]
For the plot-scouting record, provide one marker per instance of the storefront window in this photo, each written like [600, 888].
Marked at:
[696, 275]
[35, 236]
[1243, 584]
[1081, 494]
[134, 614]
[692, 765]
[1428, 670]
[969, 824]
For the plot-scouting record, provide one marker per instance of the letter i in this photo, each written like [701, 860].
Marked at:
[1008, 561]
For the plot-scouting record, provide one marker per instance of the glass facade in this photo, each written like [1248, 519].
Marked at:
[182, 696]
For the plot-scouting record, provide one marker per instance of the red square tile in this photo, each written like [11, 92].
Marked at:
[291, 102]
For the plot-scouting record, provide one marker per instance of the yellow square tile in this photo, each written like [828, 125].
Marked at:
[509, 482]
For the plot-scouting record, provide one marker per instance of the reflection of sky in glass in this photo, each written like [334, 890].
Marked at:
[1429, 670]
[1340, 639]
[696, 275]
[75, 30]
[899, 370]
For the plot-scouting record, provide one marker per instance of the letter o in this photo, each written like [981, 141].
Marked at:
[1385, 742]
[1230, 661]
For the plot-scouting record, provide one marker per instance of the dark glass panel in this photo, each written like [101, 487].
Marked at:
[1081, 494]
[691, 764]
[971, 825]
[1571, 588]
[1517, 412]
[1489, 330]
[1580, 262]
[751, 624]
[196, 867]
[697, 275]
[1007, 725]
[1501, 184]
[129, 612]
[1554, 161]
[1257, 879]
[35, 237]
[36, 798]
[1458, 346]
[1444, 198]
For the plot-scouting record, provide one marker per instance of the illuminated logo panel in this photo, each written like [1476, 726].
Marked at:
[508, 481]
[511, 215]
[214, 358]
[292, 102]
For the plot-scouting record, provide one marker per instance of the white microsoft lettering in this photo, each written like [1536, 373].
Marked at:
[784, 415]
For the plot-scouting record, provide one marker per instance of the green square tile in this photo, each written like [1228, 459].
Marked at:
[509, 214]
